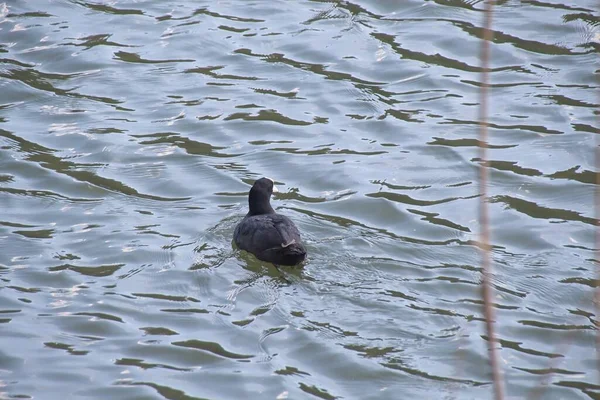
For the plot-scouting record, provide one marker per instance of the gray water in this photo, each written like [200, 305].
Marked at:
[130, 132]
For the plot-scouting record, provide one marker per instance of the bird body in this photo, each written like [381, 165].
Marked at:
[271, 237]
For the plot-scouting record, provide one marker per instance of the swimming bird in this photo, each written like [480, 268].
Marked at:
[271, 237]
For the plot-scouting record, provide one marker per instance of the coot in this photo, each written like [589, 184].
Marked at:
[271, 237]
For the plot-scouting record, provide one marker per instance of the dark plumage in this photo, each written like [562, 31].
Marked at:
[271, 237]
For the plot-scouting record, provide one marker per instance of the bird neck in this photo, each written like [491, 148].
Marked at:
[259, 204]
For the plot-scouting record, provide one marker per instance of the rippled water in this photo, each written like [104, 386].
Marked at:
[131, 130]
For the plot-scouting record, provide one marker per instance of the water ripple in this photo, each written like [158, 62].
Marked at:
[131, 131]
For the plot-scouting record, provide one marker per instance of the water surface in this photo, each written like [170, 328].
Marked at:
[131, 131]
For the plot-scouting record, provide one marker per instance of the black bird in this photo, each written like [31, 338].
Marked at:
[271, 237]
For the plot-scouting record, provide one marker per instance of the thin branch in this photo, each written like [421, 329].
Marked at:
[538, 392]
[597, 246]
[487, 290]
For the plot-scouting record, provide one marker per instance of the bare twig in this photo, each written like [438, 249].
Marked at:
[538, 392]
[597, 247]
[487, 291]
